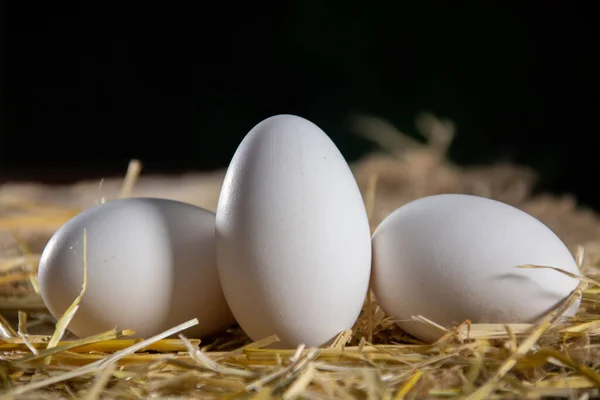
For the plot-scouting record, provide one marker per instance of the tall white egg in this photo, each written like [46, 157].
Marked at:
[452, 258]
[151, 265]
[293, 240]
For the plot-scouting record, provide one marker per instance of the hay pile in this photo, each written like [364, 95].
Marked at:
[375, 360]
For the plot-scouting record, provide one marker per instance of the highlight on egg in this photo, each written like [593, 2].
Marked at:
[150, 266]
[292, 234]
[453, 257]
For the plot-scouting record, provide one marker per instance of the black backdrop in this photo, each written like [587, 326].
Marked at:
[87, 87]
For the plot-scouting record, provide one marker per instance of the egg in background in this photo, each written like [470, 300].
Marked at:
[151, 265]
[454, 257]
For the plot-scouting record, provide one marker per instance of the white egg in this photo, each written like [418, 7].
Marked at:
[151, 265]
[452, 258]
[293, 240]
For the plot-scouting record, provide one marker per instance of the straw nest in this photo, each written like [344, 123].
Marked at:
[375, 360]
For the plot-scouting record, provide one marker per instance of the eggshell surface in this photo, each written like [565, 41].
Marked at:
[151, 265]
[452, 258]
[293, 240]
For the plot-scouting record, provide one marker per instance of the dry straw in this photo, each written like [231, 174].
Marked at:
[555, 358]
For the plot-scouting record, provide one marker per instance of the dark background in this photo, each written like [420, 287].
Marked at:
[88, 87]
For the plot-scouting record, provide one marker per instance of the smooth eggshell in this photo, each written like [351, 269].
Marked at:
[453, 257]
[293, 240]
[151, 265]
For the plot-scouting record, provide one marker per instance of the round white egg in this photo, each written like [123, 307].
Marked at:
[452, 258]
[293, 240]
[151, 265]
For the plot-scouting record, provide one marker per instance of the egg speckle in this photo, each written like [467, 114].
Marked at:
[293, 239]
[150, 263]
[451, 258]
